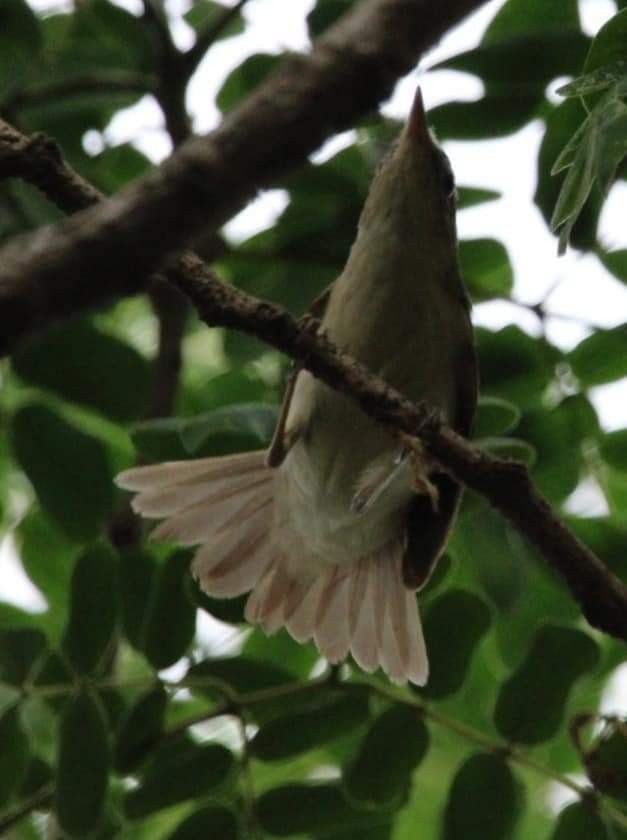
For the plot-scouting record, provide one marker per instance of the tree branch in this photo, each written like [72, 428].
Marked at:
[209, 35]
[351, 69]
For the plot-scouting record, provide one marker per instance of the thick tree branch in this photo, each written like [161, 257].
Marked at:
[114, 246]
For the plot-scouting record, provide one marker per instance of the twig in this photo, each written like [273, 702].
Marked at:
[236, 704]
[40, 799]
[209, 35]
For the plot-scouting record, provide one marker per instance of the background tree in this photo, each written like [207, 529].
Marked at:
[116, 718]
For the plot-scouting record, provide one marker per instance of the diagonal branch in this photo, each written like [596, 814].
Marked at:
[350, 70]
[505, 484]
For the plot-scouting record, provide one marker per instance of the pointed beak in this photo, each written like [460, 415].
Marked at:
[417, 128]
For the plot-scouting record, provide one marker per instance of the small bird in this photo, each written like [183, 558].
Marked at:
[336, 527]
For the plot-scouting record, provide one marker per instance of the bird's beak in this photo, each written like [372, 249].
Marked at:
[417, 128]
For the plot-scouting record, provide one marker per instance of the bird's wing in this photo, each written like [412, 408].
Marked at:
[428, 529]
[282, 441]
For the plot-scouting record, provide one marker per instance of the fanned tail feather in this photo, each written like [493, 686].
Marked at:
[224, 505]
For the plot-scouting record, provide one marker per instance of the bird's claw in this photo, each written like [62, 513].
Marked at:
[422, 463]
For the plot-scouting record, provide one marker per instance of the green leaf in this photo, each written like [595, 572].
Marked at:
[64, 361]
[381, 772]
[609, 45]
[230, 610]
[314, 808]
[495, 416]
[225, 389]
[170, 619]
[522, 65]
[455, 624]
[232, 428]
[484, 544]
[38, 775]
[68, 469]
[561, 124]
[512, 448]
[558, 437]
[210, 821]
[484, 801]
[204, 13]
[282, 650]
[83, 765]
[486, 268]
[158, 610]
[580, 821]
[606, 760]
[492, 116]
[527, 16]
[140, 729]
[242, 81]
[13, 618]
[254, 420]
[326, 719]
[104, 36]
[324, 14]
[138, 573]
[595, 81]
[48, 558]
[531, 704]
[613, 449]
[514, 366]
[606, 537]
[20, 41]
[471, 196]
[601, 358]
[241, 673]
[93, 609]
[112, 169]
[176, 775]
[577, 185]
[51, 669]
[615, 262]
[19, 650]
[14, 754]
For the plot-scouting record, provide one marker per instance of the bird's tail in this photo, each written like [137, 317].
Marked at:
[225, 506]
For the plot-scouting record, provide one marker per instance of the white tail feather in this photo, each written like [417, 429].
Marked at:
[364, 641]
[178, 472]
[300, 624]
[225, 506]
[332, 630]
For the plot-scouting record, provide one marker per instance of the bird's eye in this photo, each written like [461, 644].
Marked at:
[446, 173]
[448, 181]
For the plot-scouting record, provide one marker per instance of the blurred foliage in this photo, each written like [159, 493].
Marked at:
[252, 737]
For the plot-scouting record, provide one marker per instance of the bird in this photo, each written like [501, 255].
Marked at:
[335, 528]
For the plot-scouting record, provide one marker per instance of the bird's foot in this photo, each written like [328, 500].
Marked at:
[423, 465]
